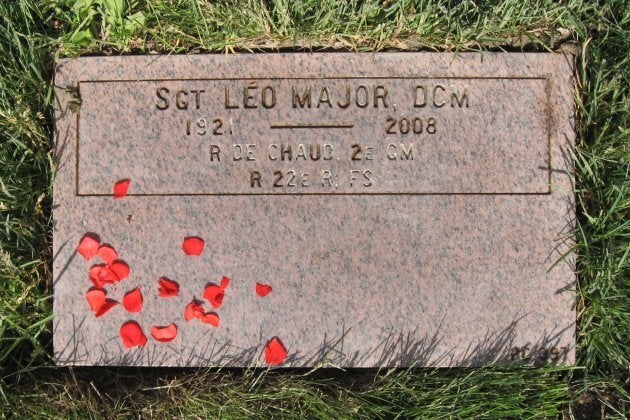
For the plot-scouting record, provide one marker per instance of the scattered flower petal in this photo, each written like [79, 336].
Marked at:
[214, 294]
[168, 288]
[94, 274]
[225, 282]
[95, 298]
[275, 352]
[164, 334]
[107, 253]
[107, 276]
[131, 335]
[193, 245]
[132, 302]
[120, 268]
[121, 188]
[211, 318]
[107, 305]
[88, 246]
[193, 310]
[262, 290]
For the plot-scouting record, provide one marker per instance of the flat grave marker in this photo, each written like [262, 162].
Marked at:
[357, 210]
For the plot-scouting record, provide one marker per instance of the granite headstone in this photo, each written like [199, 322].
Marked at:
[356, 210]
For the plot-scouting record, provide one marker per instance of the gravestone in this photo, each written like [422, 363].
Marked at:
[355, 210]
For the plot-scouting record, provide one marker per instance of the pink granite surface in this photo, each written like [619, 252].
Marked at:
[444, 260]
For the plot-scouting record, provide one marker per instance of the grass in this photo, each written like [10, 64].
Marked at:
[34, 32]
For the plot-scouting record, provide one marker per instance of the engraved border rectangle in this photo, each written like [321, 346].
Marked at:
[547, 111]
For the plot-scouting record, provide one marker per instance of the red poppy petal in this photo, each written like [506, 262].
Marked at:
[214, 294]
[107, 253]
[193, 245]
[132, 302]
[211, 318]
[88, 246]
[168, 288]
[164, 334]
[121, 188]
[95, 275]
[193, 310]
[109, 304]
[275, 352]
[95, 298]
[131, 335]
[262, 290]
[120, 269]
[225, 282]
[107, 276]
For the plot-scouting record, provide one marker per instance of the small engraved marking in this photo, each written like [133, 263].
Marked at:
[306, 125]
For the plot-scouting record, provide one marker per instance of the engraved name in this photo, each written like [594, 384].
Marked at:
[253, 95]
